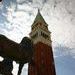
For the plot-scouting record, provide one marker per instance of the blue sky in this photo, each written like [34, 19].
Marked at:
[17, 16]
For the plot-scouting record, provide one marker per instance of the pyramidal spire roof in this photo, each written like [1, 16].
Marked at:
[39, 17]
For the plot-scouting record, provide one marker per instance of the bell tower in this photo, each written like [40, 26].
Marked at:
[43, 62]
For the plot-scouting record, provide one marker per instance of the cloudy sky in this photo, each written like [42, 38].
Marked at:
[17, 16]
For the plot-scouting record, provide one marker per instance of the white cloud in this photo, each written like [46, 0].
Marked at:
[15, 70]
[1, 59]
[25, 69]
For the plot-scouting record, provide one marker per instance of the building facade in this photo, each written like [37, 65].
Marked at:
[43, 62]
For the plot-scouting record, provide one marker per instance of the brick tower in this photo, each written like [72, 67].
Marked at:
[43, 62]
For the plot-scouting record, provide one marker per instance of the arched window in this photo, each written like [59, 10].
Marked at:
[35, 35]
[44, 35]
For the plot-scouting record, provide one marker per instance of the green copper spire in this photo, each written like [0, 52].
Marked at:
[39, 18]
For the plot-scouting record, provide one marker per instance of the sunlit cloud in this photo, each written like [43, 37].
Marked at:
[15, 70]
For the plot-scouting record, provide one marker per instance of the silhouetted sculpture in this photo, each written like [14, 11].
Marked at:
[6, 67]
[0, 0]
[21, 53]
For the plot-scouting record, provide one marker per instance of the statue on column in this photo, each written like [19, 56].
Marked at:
[20, 52]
